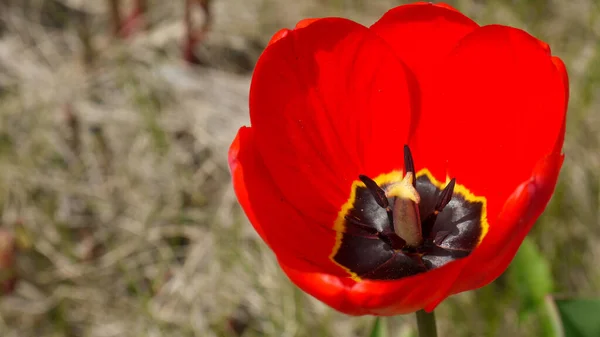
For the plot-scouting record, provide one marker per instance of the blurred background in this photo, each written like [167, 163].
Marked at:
[117, 216]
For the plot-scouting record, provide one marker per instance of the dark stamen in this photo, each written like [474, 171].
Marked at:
[361, 225]
[379, 196]
[445, 196]
[443, 200]
[377, 192]
[392, 239]
[409, 164]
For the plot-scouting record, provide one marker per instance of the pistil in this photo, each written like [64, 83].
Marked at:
[406, 219]
[401, 202]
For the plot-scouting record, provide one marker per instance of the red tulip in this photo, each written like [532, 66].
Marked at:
[356, 218]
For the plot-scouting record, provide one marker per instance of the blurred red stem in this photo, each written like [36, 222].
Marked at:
[194, 36]
[115, 16]
[132, 23]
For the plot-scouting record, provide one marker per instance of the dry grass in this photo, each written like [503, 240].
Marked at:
[114, 177]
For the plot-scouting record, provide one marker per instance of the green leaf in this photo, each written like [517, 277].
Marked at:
[580, 317]
[531, 277]
[379, 328]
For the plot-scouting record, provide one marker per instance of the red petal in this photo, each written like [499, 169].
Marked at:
[284, 32]
[558, 63]
[562, 70]
[328, 102]
[422, 35]
[517, 217]
[383, 298]
[305, 22]
[292, 237]
[279, 35]
[329, 289]
[498, 107]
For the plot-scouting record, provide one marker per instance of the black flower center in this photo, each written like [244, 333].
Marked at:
[393, 228]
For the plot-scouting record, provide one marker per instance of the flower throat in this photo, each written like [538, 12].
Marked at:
[392, 228]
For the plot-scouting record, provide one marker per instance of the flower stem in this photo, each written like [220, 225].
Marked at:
[426, 324]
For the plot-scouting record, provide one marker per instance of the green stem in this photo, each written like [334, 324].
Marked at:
[426, 324]
[551, 324]
[379, 328]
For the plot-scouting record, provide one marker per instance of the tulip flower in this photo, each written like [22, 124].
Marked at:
[391, 166]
